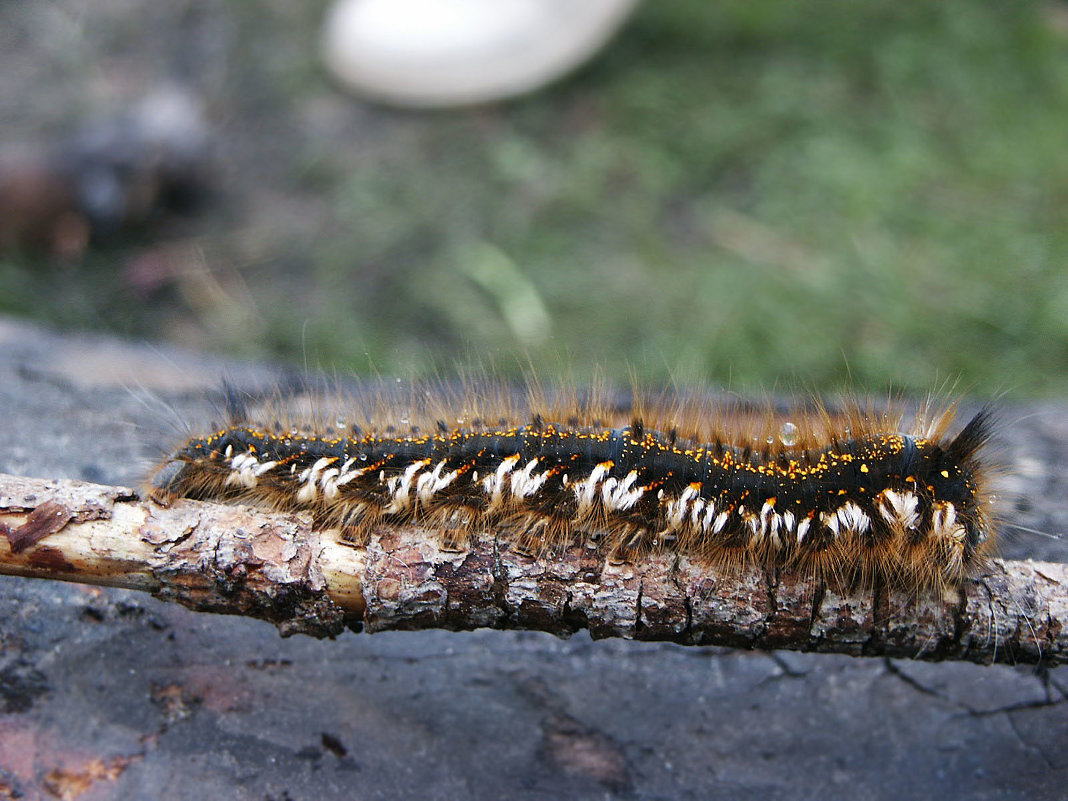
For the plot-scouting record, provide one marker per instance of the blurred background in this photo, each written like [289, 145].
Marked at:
[753, 193]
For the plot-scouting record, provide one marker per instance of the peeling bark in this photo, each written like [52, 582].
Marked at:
[238, 560]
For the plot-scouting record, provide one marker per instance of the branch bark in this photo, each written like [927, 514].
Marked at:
[238, 560]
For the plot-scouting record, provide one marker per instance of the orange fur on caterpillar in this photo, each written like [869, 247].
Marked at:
[845, 495]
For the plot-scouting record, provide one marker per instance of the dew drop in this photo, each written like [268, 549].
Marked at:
[788, 435]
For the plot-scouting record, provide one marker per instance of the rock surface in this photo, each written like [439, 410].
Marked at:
[111, 694]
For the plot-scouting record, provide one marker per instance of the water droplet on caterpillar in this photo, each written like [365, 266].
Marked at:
[788, 435]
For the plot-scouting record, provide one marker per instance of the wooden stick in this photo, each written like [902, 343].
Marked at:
[244, 561]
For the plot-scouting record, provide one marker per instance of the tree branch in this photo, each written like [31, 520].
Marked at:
[243, 561]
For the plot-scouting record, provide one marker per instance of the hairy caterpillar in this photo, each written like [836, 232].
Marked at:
[846, 494]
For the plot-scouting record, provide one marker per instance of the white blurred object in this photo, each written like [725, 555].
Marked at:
[456, 52]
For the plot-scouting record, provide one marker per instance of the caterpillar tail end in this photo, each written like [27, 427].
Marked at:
[165, 485]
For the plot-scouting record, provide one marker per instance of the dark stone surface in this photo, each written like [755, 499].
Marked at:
[140, 699]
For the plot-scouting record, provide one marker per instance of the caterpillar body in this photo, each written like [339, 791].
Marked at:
[846, 495]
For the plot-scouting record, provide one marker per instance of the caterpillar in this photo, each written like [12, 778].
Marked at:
[846, 494]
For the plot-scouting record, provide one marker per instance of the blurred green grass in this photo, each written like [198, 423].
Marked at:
[752, 193]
